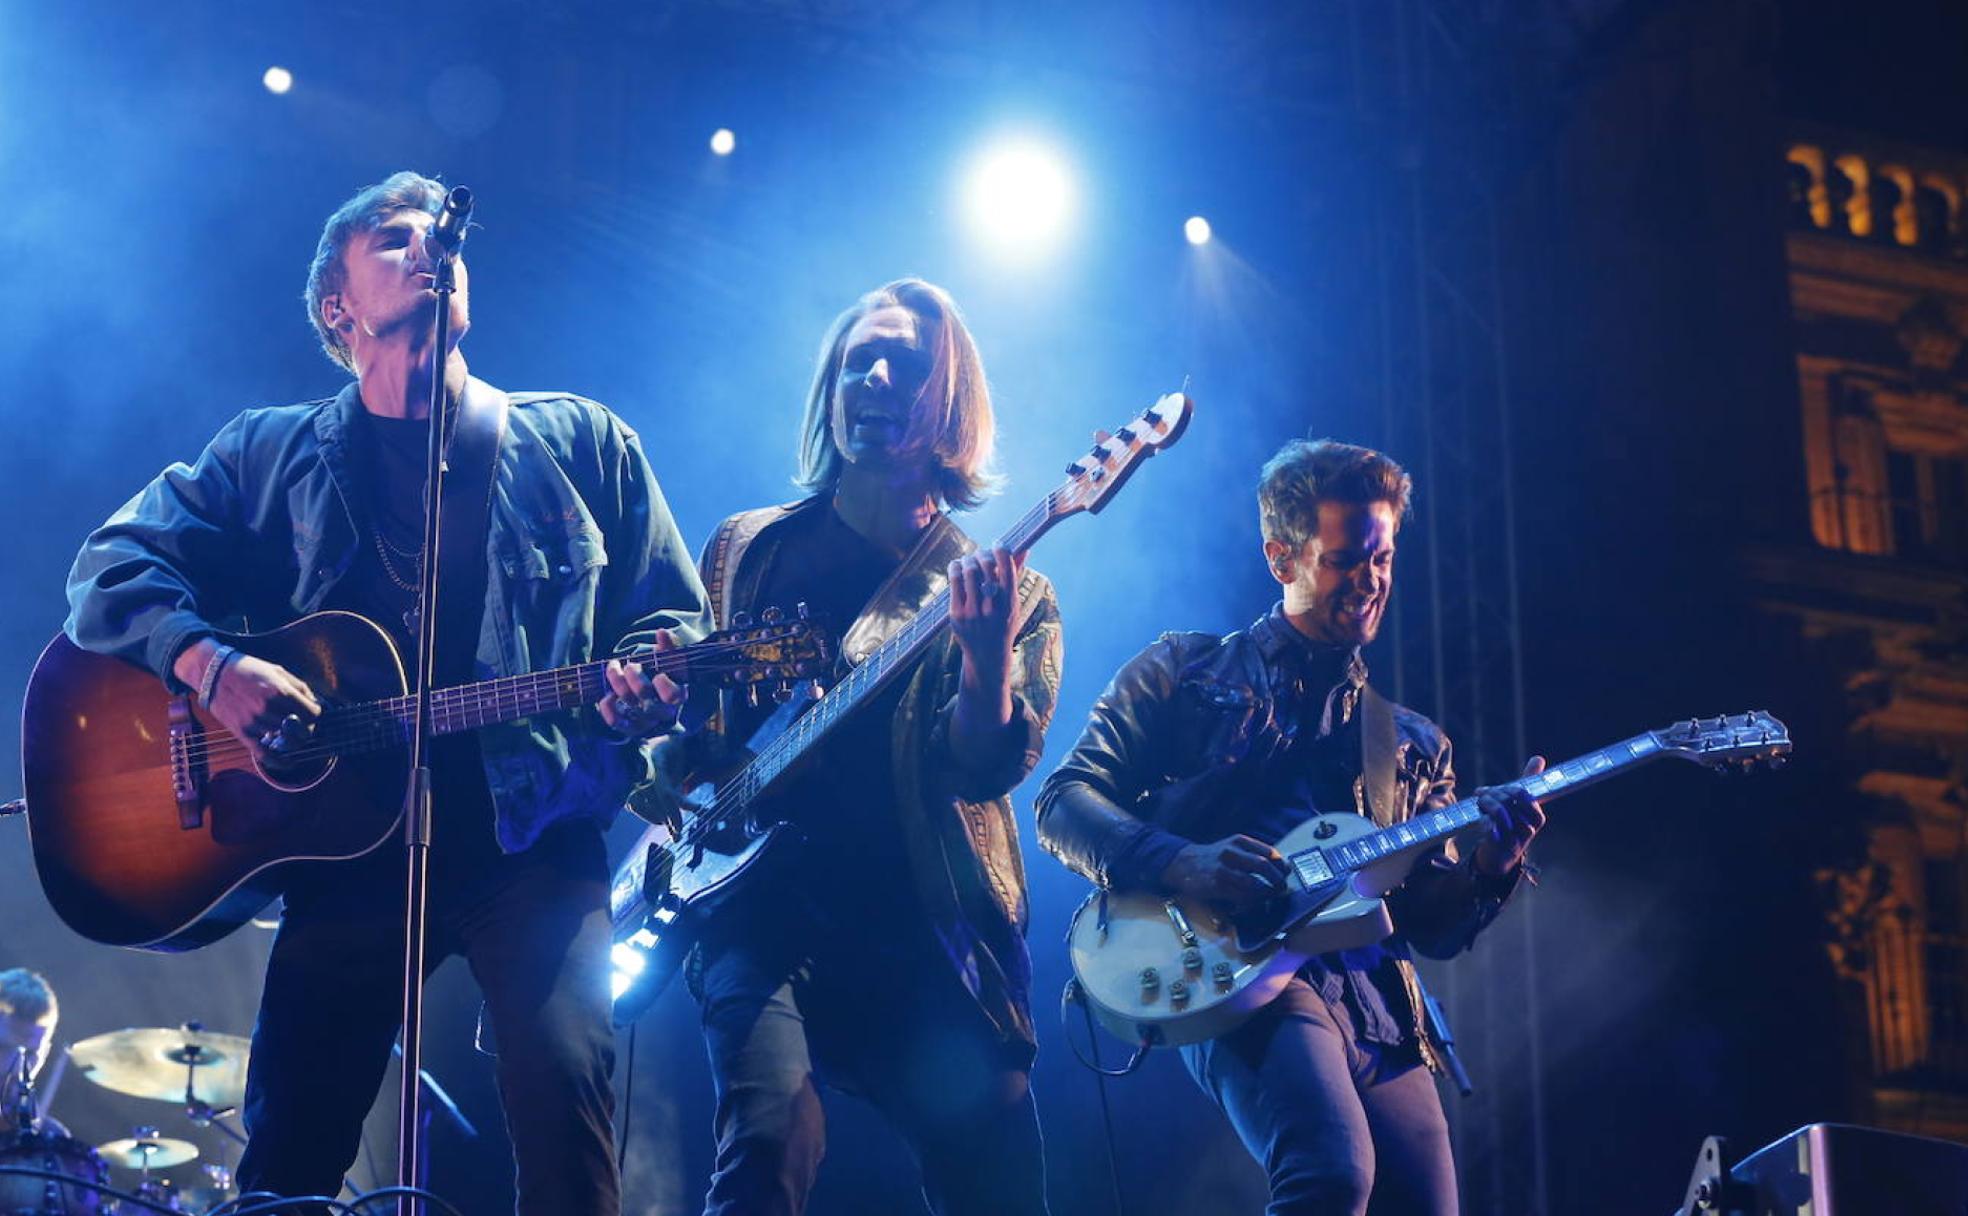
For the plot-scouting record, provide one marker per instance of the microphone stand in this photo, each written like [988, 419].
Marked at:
[417, 809]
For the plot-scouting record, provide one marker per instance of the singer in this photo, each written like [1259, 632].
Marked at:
[294, 509]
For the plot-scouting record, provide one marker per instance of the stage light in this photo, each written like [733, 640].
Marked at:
[1197, 230]
[723, 141]
[277, 80]
[1018, 198]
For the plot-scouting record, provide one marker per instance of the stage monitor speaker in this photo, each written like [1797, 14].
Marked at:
[1836, 1169]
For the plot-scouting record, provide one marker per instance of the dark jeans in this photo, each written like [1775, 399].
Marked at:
[1341, 1127]
[533, 926]
[900, 1032]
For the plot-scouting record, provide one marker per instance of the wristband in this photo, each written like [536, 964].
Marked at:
[214, 667]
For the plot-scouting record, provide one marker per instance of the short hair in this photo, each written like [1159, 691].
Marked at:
[25, 994]
[959, 429]
[1307, 472]
[366, 212]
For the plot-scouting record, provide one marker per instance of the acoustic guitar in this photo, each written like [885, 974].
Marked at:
[152, 826]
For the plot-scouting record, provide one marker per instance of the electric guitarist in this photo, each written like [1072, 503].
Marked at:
[1241, 738]
[887, 957]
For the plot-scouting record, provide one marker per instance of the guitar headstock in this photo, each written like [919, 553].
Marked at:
[1092, 480]
[1739, 741]
[773, 648]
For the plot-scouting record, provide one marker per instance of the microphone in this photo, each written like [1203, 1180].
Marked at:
[447, 235]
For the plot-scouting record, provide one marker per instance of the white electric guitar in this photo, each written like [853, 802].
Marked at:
[1173, 970]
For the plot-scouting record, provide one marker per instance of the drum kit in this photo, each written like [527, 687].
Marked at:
[201, 1072]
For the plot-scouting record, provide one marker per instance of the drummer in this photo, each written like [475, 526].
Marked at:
[28, 1013]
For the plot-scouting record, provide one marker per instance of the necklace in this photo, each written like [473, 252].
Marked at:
[399, 550]
[383, 549]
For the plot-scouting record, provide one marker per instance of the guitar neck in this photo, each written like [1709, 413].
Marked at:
[469, 706]
[872, 674]
[1440, 825]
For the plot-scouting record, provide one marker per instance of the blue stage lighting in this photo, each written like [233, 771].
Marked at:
[1019, 198]
[1197, 230]
[723, 141]
[277, 80]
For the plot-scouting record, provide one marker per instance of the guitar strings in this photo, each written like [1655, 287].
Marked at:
[381, 722]
[819, 717]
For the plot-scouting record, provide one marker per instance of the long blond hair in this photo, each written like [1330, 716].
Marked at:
[959, 428]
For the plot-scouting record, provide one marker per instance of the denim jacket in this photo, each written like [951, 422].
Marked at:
[585, 560]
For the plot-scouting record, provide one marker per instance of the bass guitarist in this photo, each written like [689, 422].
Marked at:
[300, 508]
[888, 960]
[1238, 740]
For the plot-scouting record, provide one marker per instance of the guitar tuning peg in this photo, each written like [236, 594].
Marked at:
[782, 692]
[772, 616]
[800, 610]
[741, 620]
[752, 695]
[1101, 436]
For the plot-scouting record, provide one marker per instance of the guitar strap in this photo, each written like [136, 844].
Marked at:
[1379, 750]
[1379, 744]
[923, 573]
[471, 454]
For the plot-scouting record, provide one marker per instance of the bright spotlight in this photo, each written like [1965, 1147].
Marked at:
[1018, 198]
[723, 141]
[1197, 229]
[277, 80]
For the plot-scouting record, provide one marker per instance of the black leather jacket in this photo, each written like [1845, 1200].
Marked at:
[1170, 744]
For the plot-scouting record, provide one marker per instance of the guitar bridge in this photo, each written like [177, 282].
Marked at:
[187, 773]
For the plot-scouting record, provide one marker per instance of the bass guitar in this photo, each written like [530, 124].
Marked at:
[1172, 970]
[152, 826]
[669, 882]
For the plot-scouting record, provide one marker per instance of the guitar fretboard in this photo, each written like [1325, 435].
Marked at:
[387, 723]
[1441, 824]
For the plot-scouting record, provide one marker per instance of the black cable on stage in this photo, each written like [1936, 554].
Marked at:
[256, 1202]
[628, 1106]
[1070, 995]
[336, 1207]
[1106, 1112]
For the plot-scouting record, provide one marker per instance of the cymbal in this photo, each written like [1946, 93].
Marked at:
[153, 1152]
[154, 1063]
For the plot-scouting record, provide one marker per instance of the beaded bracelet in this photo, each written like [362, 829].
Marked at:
[214, 667]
